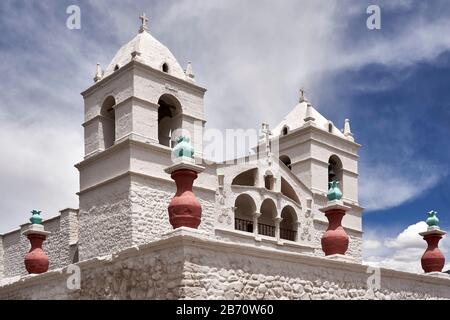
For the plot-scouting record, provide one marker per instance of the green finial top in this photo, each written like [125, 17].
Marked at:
[36, 217]
[183, 148]
[334, 193]
[432, 220]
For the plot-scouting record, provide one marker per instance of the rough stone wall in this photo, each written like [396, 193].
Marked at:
[243, 276]
[57, 244]
[150, 200]
[104, 219]
[130, 211]
[157, 274]
[72, 217]
[15, 246]
[355, 242]
[1, 257]
[185, 267]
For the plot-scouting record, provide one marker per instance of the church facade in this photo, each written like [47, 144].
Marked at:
[261, 225]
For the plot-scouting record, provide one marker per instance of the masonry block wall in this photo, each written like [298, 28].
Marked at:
[14, 246]
[186, 266]
[132, 210]
[105, 222]
[150, 200]
[355, 242]
[2, 262]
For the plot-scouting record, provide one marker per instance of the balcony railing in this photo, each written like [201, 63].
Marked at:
[288, 234]
[266, 230]
[243, 225]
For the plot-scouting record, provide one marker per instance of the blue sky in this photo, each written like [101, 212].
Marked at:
[252, 56]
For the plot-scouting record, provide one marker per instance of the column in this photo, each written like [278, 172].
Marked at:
[277, 227]
[297, 234]
[256, 216]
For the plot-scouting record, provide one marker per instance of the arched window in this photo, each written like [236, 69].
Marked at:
[109, 122]
[335, 171]
[169, 118]
[246, 178]
[269, 180]
[245, 208]
[288, 226]
[289, 191]
[75, 257]
[287, 161]
[284, 131]
[330, 127]
[266, 222]
[165, 67]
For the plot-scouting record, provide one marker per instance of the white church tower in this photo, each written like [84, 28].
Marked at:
[317, 152]
[131, 113]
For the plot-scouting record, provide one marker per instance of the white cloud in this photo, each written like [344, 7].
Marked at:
[37, 171]
[383, 187]
[402, 252]
[253, 57]
[408, 238]
[371, 244]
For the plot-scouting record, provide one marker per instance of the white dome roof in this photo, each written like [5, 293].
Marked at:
[152, 53]
[295, 120]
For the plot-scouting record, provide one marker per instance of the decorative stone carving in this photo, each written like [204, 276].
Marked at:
[224, 216]
[221, 195]
[305, 234]
[307, 213]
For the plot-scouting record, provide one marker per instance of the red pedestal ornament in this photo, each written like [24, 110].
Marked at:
[335, 240]
[36, 261]
[184, 209]
[432, 260]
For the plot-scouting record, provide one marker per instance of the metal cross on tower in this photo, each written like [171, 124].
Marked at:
[144, 21]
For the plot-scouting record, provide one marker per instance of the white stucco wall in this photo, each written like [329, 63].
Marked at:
[310, 148]
[137, 89]
[186, 265]
[312, 222]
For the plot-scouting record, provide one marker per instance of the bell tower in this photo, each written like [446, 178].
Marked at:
[317, 152]
[132, 113]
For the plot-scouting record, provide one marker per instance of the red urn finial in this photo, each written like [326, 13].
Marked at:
[433, 260]
[36, 261]
[184, 209]
[335, 240]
